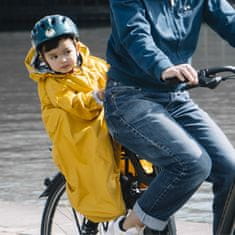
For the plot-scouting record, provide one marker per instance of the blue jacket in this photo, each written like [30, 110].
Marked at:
[149, 36]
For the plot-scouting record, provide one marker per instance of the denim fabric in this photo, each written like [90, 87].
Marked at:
[171, 131]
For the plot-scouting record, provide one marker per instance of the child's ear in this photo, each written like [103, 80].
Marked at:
[41, 58]
[77, 43]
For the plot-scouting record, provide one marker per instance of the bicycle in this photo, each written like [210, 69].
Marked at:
[60, 218]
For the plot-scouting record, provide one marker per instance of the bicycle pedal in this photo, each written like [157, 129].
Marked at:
[89, 232]
[89, 228]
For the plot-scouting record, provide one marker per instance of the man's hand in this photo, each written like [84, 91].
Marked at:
[182, 72]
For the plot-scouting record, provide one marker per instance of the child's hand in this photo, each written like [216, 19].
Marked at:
[100, 94]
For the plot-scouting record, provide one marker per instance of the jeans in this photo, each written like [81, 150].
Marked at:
[171, 131]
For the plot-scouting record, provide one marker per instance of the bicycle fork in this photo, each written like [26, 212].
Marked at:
[227, 221]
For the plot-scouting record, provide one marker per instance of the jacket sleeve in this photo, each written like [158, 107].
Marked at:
[81, 104]
[134, 33]
[220, 16]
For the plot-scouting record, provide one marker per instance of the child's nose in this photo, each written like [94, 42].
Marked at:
[64, 58]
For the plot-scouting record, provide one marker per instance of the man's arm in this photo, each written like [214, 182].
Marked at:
[220, 16]
[135, 36]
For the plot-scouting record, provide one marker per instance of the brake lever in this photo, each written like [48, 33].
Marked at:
[205, 81]
[211, 83]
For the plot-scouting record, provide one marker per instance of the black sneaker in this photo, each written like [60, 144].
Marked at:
[148, 231]
[89, 228]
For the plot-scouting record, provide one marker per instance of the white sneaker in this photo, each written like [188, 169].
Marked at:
[115, 228]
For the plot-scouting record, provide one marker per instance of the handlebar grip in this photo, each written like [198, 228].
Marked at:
[203, 81]
[214, 70]
[207, 78]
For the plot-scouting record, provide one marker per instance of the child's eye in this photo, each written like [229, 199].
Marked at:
[53, 57]
[67, 52]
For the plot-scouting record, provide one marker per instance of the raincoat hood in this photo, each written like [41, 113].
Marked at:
[82, 147]
[39, 71]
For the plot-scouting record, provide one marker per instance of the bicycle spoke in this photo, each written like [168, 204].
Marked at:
[59, 218]
[77, 221]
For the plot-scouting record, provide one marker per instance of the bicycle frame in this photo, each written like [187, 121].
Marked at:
[227, 222]
[133, 185]
[51, 184]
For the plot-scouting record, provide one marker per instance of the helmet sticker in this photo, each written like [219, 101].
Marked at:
[50, 32]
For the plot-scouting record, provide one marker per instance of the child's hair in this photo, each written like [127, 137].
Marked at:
[52, 28]
[53, 43]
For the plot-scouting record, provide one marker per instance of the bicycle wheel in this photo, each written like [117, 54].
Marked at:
[59, 217]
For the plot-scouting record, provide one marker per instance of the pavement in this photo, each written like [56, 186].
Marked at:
[24, 219]
[20, 219]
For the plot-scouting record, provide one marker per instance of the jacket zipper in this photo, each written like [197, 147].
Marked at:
[176, 29]
[172, 3]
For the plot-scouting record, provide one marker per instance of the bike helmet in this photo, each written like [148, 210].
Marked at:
[52, 26]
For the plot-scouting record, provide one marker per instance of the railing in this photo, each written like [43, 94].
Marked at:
[21, 14]
[12, 3]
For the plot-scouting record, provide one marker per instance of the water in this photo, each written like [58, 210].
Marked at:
[24, 146]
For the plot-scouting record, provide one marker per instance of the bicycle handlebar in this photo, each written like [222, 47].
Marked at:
[215, 70]
[211, 77]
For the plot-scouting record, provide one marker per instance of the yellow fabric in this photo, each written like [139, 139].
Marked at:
[82, 148]
[146, 165]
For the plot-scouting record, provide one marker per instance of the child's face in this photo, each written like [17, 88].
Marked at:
[63, 58]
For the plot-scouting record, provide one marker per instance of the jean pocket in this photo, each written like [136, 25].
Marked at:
[124, 90]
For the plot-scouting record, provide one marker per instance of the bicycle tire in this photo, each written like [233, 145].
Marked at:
[50, 208]
[59, 217]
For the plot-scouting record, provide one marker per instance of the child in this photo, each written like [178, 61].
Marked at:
[70, 87]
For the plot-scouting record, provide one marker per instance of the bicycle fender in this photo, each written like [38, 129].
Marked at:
[51, 184]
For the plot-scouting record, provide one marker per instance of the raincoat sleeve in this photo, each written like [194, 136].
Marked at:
[81, 104]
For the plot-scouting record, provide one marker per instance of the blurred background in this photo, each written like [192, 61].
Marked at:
[21, 14]
[24, 146]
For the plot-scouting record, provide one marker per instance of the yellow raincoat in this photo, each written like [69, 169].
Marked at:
[82, 148]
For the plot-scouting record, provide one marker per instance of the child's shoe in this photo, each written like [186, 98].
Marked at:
[115, 228]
